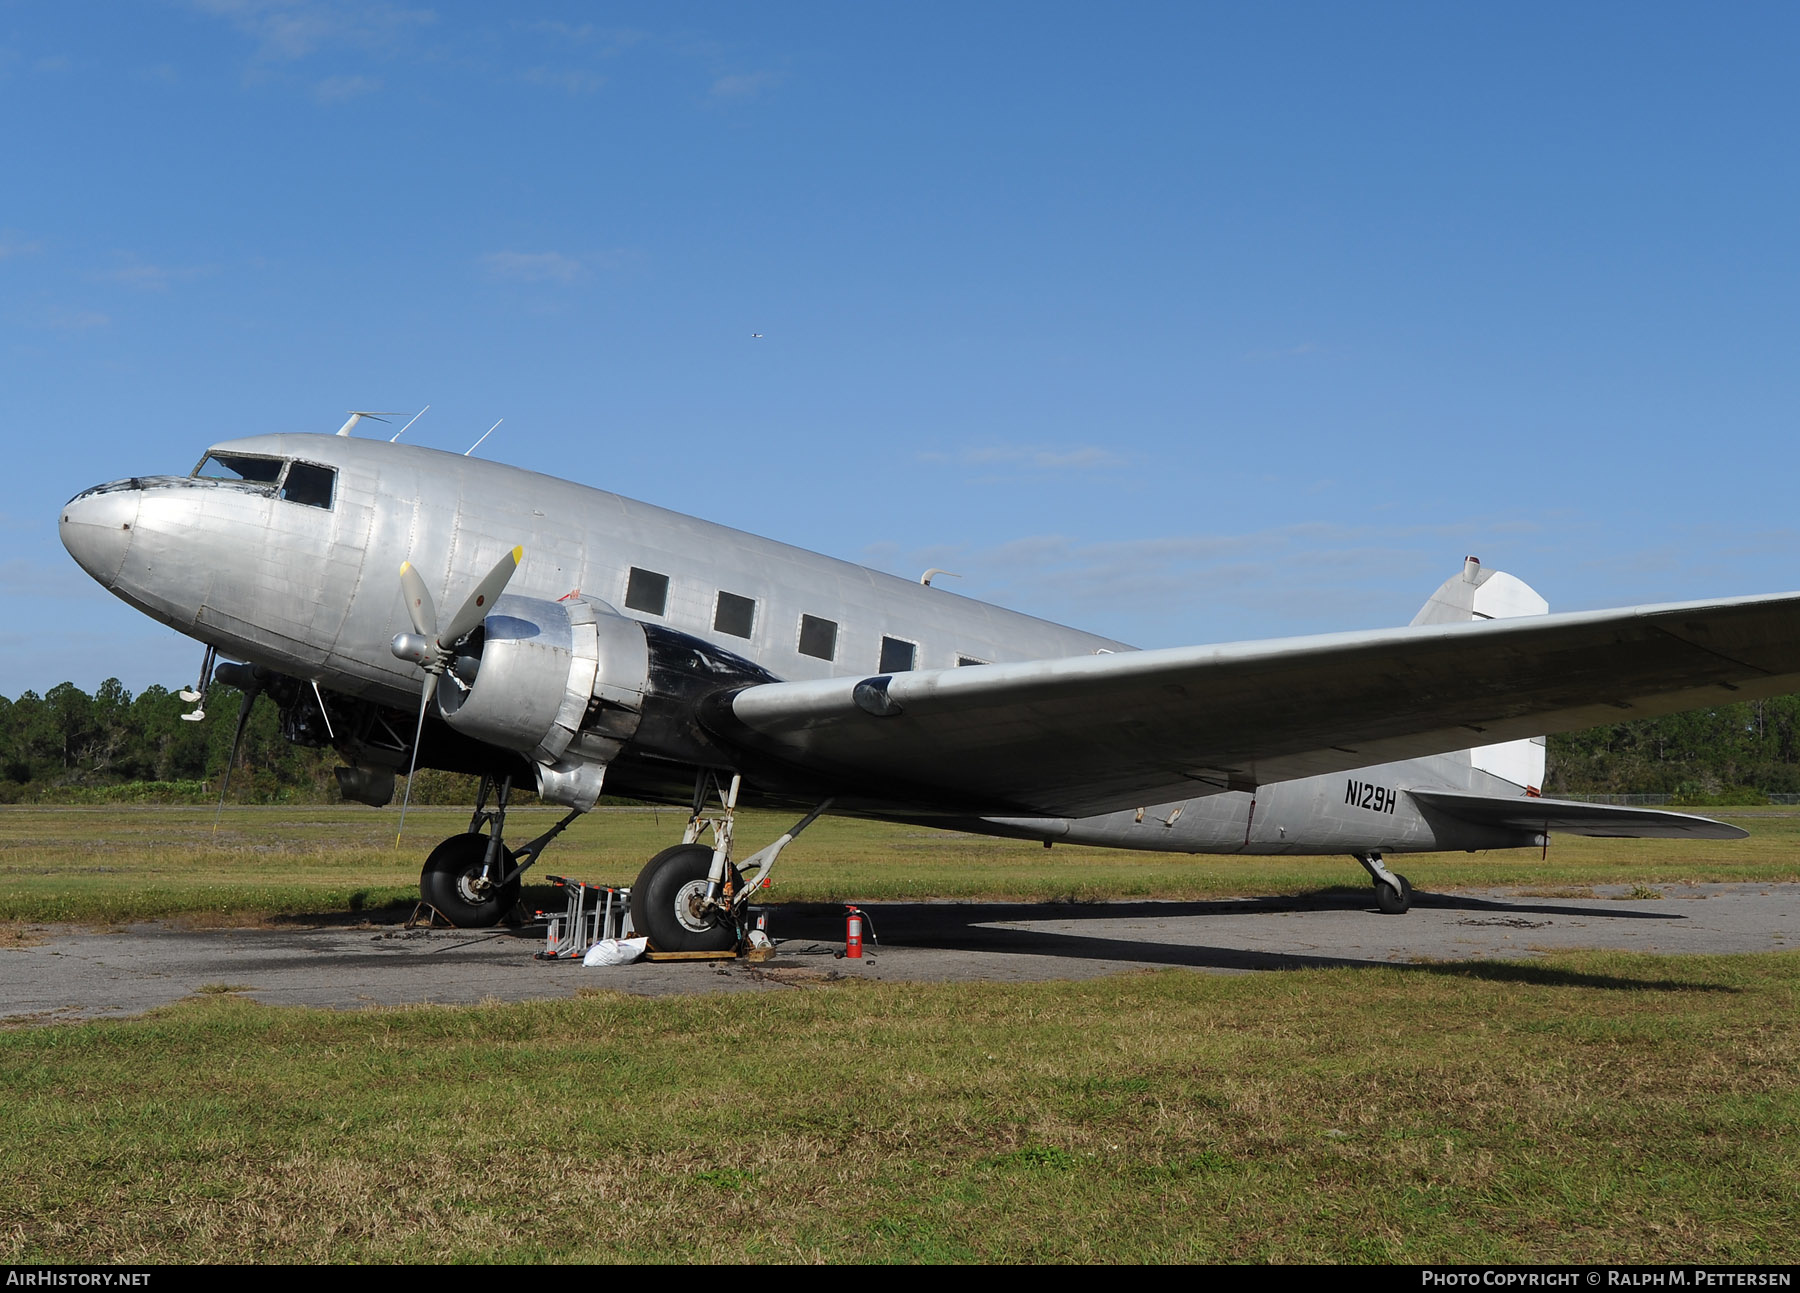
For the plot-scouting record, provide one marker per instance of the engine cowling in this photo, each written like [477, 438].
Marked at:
[559, 682]
[571, 684]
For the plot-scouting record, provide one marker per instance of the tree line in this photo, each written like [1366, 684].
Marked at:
[68, 746]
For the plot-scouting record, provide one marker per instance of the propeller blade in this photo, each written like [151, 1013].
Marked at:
[425, 694]
[418, 601]
[433, 653]
[473, 611]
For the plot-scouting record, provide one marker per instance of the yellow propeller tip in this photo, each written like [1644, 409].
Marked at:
[518, 555]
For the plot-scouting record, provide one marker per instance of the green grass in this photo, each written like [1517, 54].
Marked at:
[1597, 1107]
[1585, 1108]
[136, 862]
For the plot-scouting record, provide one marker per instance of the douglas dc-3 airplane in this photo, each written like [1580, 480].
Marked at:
[600, 641]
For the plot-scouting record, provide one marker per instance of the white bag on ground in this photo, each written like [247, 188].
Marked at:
[615, 951]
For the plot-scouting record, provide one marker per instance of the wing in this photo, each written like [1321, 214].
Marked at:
[1094, 734]
[1525, 813]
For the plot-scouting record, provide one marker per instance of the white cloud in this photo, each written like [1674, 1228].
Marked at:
[151, 278]
[1308, 577]
[16, 244]
[287, 30]
[1029, 457]
[68, 320]
[569, 81]
[1300, 351]
[341, 89]
[532, 266]
[612, 39]
[744, 85]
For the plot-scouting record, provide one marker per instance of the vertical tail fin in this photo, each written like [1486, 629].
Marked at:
[1477, 594]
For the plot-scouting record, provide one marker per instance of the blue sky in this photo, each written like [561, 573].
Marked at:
[1182, 323]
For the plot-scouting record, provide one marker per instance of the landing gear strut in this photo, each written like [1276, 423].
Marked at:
[691, 898]
[472, 879]
[1393, 893]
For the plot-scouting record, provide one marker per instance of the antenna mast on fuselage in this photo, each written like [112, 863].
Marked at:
[356, 416]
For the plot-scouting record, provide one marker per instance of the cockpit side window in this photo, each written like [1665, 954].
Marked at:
[240, 466]
[309, 483]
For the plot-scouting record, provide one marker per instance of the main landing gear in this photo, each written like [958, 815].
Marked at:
[691, 898]
[1393, 894]
[472, 879]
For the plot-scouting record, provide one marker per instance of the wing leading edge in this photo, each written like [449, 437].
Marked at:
[1093, 734]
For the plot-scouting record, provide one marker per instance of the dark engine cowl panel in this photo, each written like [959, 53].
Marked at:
[684, 672]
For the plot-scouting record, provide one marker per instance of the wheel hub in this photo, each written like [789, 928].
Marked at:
[473, 886]
[691, 907]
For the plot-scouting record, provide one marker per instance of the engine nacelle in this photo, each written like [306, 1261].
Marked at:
[559, 682]
[570, 684]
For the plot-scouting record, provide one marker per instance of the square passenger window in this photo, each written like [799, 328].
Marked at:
[734, 615]
[309, 484]
[818, 638]
[897, 656]
[964, 660]
[647, 591]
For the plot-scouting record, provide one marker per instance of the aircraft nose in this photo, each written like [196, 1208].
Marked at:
[97, 526]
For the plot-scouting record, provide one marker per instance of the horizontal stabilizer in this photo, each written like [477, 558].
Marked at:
[1527, 813]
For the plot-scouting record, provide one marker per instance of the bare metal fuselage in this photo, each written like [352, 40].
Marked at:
[311, 592]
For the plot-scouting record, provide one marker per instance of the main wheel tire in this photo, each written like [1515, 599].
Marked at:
[452, 882]
[665, 903]
[1393, 904]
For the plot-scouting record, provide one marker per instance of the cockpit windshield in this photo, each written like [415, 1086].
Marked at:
[240, 466]
[297, 482]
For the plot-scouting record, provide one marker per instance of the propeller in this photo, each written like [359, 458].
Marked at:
[249, 680]
[433, 650]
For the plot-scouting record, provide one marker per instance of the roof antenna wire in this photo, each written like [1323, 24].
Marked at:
[484, 435]
[402, 430]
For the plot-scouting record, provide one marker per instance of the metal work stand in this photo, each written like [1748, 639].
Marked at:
[594, 912]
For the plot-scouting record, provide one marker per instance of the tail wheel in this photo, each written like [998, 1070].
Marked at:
[452, 881]
[668, 903]
[1391, 903]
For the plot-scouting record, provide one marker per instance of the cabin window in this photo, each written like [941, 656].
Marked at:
[897, 655]
[818, 638]
[647, 591]
[734, 615]
[240, 466]
[965, 660]
[310, 484]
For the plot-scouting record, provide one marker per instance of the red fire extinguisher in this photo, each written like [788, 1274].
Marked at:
[853, 931]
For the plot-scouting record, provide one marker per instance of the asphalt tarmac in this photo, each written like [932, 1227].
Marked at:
[59, 973]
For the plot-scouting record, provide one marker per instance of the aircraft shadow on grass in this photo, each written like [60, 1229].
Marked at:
[995, 928]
